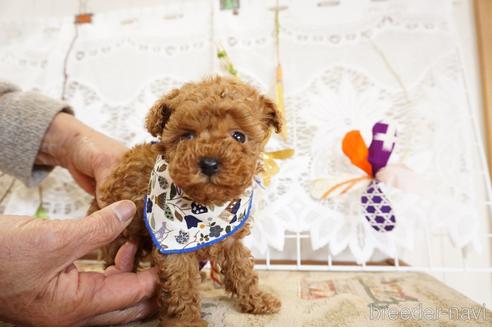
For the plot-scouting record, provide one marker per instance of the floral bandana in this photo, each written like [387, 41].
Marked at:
[177, 224]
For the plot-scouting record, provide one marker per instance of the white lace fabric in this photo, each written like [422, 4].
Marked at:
[345, 67]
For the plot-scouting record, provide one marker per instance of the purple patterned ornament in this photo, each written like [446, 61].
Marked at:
[382, 145]
[377, 208]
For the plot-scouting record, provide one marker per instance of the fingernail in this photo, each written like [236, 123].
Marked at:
[124, 210]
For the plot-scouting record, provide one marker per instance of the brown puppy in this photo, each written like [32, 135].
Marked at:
[211, 135]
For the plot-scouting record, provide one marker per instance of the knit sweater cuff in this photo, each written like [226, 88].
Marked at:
[24, 119]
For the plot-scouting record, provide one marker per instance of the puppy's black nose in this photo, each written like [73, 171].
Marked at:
[209, 165]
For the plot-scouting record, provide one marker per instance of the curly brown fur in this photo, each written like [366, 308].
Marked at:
[193, 122]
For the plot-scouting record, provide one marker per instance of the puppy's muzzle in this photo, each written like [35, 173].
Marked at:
[209, 165]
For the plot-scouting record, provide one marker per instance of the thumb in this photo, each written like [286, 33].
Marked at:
[100, 228]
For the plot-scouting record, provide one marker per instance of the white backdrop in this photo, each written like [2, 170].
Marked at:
[345, 67]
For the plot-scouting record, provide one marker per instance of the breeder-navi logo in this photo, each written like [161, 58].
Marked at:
[420, 312]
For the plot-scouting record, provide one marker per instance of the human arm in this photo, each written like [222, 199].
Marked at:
[38, 133]
[24, 119]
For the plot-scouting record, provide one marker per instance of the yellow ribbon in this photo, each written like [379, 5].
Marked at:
[270, 166]
[279, 81]
[279, 99]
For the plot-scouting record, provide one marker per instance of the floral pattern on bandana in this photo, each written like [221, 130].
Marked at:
[177, 224]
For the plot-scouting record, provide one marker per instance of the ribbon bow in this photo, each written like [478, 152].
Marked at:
[376, 207]
[270, 166]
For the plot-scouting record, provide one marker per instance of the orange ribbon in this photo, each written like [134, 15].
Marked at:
[350, 183]
[354, 147]
[356, 150]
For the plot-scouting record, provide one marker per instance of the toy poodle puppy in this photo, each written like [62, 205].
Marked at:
[193, 189]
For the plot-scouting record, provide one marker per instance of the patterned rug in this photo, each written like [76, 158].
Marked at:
[349, 299]
[345, 299]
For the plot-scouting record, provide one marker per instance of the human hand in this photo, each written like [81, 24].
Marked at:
[88, 155]
[40, 285]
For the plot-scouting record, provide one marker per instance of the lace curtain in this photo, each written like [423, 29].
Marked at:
[346, 64]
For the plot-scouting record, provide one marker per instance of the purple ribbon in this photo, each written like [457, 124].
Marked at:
[382, 145]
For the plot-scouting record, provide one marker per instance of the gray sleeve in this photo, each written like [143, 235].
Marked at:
[24, 119]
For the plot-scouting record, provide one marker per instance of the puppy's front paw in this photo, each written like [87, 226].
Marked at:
[260, 303]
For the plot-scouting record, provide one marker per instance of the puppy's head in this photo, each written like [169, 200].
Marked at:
[212, 134]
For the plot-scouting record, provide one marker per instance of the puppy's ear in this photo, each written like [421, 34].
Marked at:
[271, 114]
[159, 114]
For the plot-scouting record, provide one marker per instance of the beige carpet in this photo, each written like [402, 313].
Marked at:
[346, 299]
[349, 299]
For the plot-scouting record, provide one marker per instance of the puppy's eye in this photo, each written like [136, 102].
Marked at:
[239, 136]
[187, 136]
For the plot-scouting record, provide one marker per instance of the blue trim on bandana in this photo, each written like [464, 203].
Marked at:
[187, 250]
